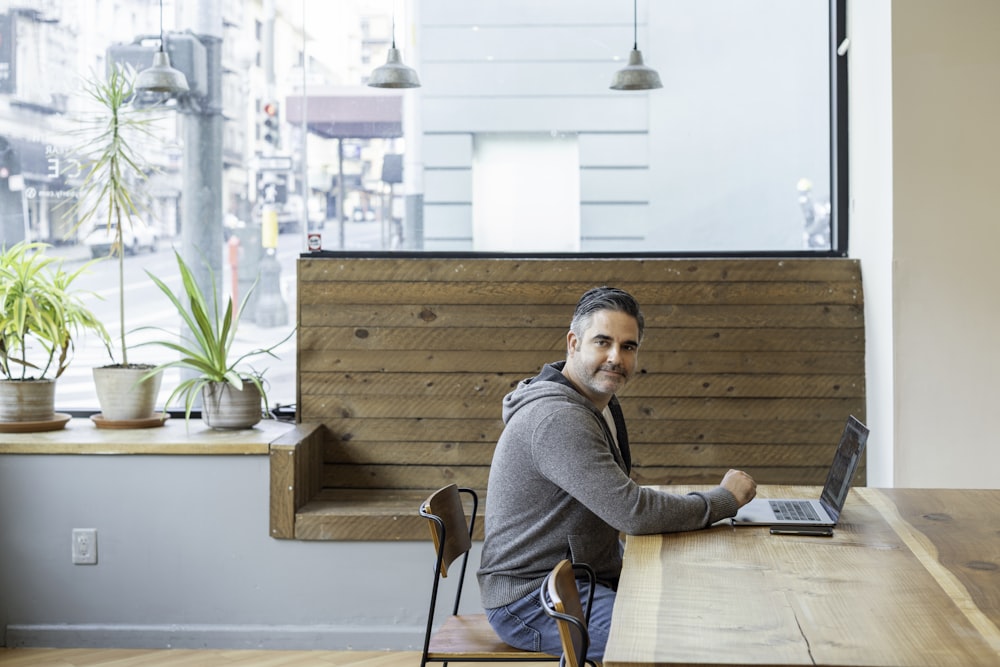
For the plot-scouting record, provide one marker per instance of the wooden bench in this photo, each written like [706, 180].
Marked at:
[403, 363]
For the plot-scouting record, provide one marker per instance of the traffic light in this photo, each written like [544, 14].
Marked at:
[8, 159]
[269, 130]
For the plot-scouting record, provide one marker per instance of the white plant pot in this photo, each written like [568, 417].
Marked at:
[123, 395]
[224, 407]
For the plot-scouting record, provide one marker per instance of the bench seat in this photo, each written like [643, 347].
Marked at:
[403, 363]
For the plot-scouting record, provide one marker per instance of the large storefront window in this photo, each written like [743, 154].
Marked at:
[514, 142]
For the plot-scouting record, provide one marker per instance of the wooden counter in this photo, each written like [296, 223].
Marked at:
[909, 578]
[81, 436]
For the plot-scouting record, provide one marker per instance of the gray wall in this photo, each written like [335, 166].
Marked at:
[184, 560]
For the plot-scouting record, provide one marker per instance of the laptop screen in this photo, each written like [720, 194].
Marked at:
[845, 464]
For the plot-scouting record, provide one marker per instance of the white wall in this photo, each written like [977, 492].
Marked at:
[870, 214]
[925, 226]
[946, 231]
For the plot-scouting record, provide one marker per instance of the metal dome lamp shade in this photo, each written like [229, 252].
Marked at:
[635, 75]
[394, 74]
[161, 77]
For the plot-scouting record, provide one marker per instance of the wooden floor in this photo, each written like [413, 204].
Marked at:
[120, 657]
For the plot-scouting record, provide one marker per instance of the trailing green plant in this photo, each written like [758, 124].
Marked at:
[112, 168]
[209, 351]
[40, 313]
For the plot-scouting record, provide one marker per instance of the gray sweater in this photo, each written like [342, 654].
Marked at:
[559, 488]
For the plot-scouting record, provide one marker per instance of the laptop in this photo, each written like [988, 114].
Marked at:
[806, 512]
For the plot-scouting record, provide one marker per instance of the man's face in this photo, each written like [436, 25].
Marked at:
[602, 361]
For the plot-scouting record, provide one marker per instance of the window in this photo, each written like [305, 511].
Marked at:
[514, 142]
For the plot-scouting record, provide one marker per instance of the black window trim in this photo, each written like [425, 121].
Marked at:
[839, 171]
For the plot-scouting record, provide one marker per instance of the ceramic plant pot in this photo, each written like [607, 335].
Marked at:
[224, 407]
[27, 400]
[122, 393]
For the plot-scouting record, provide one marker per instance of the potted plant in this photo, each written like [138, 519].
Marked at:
[232, 394]
[39, 316]
[113, 172]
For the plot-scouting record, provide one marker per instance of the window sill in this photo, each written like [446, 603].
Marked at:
[81, 436]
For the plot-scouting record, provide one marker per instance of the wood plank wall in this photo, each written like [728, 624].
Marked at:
[749, 363]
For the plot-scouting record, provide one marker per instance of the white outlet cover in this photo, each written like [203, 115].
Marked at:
[84, 547]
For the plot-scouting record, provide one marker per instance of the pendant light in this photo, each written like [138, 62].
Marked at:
[394, 74]
[635, 75]
[161, 77]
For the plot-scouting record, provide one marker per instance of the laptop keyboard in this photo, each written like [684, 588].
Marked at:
[794, 510]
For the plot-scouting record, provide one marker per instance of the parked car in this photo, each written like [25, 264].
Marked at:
[136, 237]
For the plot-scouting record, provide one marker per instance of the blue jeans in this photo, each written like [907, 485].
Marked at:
[524, 625]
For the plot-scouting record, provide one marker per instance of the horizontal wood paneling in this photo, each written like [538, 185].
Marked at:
[381, 477]
[643, 454]
[645, 408]
[541, 338]
[587, 272]
[379, 432]
[674, 316]
[515, 361]
[495, 386]
[556, 294]
[745, 363]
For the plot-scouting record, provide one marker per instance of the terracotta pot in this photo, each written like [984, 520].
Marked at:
[224, 407]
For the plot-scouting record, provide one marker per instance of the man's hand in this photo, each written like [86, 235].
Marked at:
[741, 485]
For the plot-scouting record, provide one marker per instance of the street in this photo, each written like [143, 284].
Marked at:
[146, 306]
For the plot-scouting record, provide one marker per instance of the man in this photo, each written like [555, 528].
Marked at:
[559, 484]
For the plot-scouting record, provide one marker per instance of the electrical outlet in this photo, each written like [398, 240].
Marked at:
[85, 546]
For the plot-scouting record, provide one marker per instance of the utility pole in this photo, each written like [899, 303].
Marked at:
[198, 54]
[201, 199]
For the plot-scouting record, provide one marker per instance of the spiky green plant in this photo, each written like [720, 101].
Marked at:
[40, 313]
[112, 168]
[209, 351]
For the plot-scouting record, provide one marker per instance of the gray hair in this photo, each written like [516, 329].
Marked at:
[605, 298]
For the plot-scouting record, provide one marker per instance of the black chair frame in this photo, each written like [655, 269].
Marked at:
[548, 608]
[441, 531]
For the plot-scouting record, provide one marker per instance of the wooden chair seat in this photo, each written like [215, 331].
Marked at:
[468, 637]
[471, 637]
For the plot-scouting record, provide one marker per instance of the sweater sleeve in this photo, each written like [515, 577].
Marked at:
[569, 448]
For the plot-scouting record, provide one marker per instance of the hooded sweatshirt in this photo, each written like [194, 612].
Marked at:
[559, 487]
